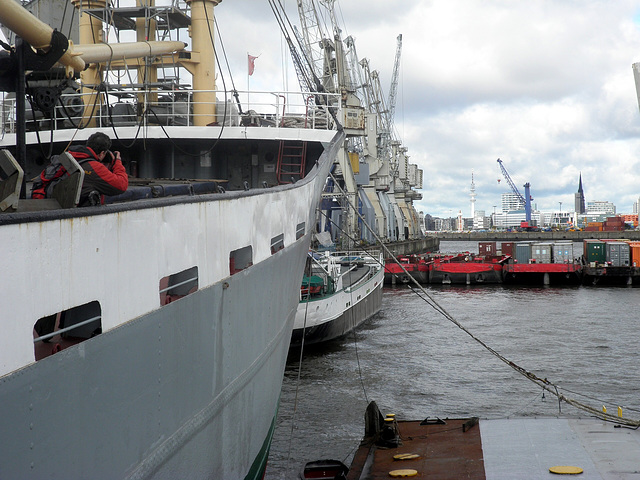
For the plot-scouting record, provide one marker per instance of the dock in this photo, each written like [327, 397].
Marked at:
[496, 449]
[602, 262]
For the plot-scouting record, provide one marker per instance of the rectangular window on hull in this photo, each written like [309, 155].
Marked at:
[178, 285]
[277, 243]
[240, 259]
[300, 228]
[64, 329]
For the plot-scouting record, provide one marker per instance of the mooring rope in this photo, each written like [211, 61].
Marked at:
[542, 382]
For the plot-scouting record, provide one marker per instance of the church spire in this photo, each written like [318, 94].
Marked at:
[580, 207]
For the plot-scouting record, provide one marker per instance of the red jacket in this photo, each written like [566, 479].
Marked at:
[111, 180]
[106, 180]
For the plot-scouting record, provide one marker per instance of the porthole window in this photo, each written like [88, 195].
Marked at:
[61, 330]
[277, 243]
[240, 259]
[174, 287]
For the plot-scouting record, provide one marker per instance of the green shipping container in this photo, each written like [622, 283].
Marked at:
[595, 251]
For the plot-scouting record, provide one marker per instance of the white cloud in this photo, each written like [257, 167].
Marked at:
[546, 86]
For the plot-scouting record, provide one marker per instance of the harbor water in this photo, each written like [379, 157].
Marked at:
[414, 362]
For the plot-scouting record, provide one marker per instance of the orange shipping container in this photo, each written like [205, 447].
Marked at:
[634, 253]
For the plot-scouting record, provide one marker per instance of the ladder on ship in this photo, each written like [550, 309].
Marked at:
[291, 161]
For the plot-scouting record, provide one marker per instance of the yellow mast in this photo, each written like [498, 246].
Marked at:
[90, 29]
[203, 68]
[147, 72]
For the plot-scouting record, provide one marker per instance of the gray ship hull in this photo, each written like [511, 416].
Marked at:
[187, 376]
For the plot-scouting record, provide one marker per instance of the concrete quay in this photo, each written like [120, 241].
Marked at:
[422, 245]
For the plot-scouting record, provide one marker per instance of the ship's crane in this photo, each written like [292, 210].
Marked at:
[526, 200]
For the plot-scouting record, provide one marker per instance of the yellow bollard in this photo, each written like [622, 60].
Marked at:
[620, 412]
[604, 409]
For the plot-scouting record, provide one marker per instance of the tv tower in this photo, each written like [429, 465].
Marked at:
[472, 194]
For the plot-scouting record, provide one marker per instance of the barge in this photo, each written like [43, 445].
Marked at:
[496, 449]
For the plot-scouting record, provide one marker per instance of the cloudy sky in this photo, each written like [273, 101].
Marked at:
[544, 85]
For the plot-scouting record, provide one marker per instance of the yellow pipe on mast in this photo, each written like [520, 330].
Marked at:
[34, 31]
[104, 52]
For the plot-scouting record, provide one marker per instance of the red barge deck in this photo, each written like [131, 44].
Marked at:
[542, 273]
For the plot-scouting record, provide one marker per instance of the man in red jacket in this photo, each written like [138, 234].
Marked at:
[103, 171]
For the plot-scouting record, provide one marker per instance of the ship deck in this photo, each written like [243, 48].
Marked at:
[500, 449]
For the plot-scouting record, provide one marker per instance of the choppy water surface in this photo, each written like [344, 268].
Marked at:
[415, 363]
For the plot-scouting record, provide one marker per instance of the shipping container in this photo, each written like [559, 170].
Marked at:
[594, 251]
[592, 229]
[486, 248]
[507, 248]
[617, 254]
[523, 252]
[562, 252]
[541, 253]
[634, 253]
[594, 224]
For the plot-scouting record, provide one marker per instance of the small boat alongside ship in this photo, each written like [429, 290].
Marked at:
[339, 291]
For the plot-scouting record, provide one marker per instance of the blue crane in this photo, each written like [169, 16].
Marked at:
[527, 195]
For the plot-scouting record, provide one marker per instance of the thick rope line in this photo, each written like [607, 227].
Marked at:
[543, 383]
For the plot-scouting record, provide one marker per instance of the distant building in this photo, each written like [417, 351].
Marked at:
[472, 194]
[558, 219]
[631, 220]
[513, 219]
[600, 208]
[480, 222]
[429, 223]
[580, 207]
[510, 202]
[444, 224]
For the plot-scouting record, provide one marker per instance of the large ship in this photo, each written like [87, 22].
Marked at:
[146, 337]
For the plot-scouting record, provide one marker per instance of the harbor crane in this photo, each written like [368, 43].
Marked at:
[526, 200]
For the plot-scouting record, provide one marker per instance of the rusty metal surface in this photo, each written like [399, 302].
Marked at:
[445, 452]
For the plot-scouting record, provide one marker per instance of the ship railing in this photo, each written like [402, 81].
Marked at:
[355, 253]
[130, 105]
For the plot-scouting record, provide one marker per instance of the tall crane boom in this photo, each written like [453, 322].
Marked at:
[526, 200]
[510, 182]
[393, 90]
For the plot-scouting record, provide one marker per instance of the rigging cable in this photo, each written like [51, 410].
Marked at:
[542, 382]
[233, 85]
[281, 16]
